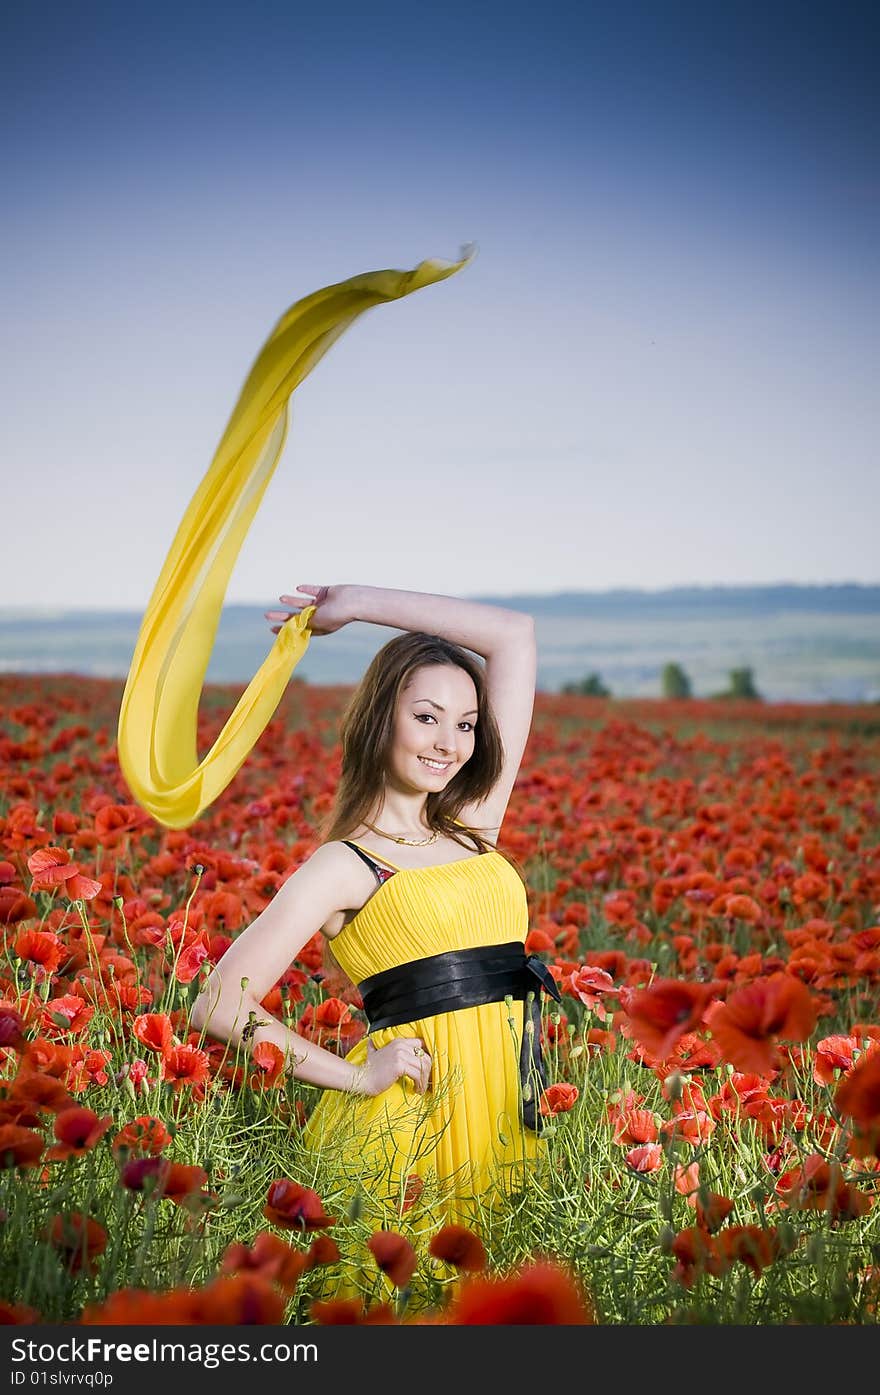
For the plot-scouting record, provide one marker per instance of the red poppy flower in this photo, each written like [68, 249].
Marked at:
[185, 1065]
[20, 1147]
[11, 1028]
[743, 908]
[35, 1089]
[648, 1157]
[687, 1180]
[695, 1253]
[79, 1239]
[752, 1245]
[41, 948]
[542, 1293]
[154, 1030]
[269, 1060]
[635, 1126]
[693, 1125]
[323, 1250]
[539, 942]
[18, 1315]
[819, 1186]
[88, 1068]
[394, 1255]
[350, 1312]
[332, 1013]
[858, 1097]
[270, 1257]
[144, 1135]
[52, 870]
[68, 1015]
[747, 1025]
[712, 1210]
[143, 1174]
[558, 1099]
[834, 1053]
[238, 1300]
[137, 1307]
[15, 905]
[178, 1182]
[413, 1188]
[588, 984]
[460, 1247]
[190, 960]
[115, 822]
[664, 1012]
[77, 1130]
[295, 1208]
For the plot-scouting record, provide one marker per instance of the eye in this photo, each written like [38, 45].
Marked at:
[429, 716]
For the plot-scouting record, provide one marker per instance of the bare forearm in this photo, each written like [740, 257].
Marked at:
[481, 628]
[304, 1060]
[249, 1024]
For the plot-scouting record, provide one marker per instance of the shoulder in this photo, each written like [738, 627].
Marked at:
[343, 879]
[332, 858]
[331, 864]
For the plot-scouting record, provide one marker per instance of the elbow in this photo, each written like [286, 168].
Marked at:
[526, 628]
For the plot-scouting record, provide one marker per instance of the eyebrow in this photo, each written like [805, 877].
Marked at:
[473, 712]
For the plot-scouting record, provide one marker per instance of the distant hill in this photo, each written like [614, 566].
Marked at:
[804, 643]
[847, 598]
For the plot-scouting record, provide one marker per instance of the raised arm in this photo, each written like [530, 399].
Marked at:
[256, 960]
[504, 638]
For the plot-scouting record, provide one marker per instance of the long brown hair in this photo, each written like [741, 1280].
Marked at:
[366, 735]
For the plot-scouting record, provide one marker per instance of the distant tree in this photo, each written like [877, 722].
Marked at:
[591, 686]
[741, 685]
[675, 682]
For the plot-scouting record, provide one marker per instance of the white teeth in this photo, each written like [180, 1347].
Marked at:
[435, 764]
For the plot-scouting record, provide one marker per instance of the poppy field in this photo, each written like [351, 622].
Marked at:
[704, 885]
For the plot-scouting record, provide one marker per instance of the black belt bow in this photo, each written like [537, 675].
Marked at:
[464, 978]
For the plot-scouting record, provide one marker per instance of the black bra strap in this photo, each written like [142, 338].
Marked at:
[380, 873]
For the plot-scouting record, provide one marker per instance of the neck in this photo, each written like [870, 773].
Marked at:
[400, 813]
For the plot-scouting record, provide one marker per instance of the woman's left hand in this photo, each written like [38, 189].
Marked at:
[331, 611]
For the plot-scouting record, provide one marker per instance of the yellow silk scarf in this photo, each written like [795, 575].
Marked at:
[158, 718]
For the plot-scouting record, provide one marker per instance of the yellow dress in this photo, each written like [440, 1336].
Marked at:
[464, 1138]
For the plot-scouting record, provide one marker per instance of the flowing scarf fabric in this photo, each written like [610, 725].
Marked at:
[158, 718]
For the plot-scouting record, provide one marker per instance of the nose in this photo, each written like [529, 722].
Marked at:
[444, 743]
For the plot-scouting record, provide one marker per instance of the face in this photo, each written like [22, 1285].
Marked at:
[434, 724]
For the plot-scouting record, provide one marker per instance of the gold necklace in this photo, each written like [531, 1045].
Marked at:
[410, 842]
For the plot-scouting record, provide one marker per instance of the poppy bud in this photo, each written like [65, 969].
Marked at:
[673, 1086]
[665, 1239]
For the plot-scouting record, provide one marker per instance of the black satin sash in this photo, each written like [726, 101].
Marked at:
[464, 978]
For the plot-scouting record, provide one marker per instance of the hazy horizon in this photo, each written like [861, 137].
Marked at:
[805, 644]
[804, 590]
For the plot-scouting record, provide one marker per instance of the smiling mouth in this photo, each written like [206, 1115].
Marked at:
[437, 765]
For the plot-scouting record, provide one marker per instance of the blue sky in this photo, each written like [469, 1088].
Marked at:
[659, 369]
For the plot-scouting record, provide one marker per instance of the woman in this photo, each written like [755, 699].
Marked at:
[446, 1085]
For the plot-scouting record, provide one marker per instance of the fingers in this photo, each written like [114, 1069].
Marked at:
[416, 1062]
[302, 600]
[420, 1076]
[403, 1057]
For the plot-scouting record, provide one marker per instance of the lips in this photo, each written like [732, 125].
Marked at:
[437, 767]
